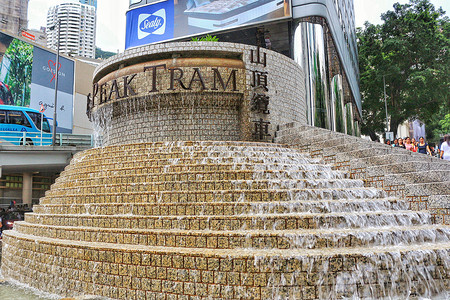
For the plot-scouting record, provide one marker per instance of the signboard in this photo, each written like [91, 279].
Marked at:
[389, 136]
[149, 24]
[28, 35]
[172, 19]
[43, 87]
[27, 78]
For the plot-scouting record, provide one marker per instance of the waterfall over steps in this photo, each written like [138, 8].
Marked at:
[223, 220]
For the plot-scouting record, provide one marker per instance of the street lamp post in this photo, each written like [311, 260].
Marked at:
[385, 103]
[58, 23]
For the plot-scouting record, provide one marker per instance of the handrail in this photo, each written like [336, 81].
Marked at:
[36, 139]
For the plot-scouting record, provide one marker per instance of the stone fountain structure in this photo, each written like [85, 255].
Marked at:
[189, 199]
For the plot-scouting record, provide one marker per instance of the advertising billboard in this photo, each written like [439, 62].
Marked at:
[27, 78]
[171, 19]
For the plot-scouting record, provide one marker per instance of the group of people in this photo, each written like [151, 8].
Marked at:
[421, 146]
[11, 214]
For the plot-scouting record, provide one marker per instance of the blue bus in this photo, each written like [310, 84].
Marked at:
[22, 126]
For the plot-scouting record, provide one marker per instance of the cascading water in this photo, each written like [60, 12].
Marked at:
[152, 215]
[308, 231]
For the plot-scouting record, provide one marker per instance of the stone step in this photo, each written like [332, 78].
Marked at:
[238, 222]
[186, 152]
[143, 184]
[322, 144]
[362, 153]
[392, 155]
[225, 208]
[307, 170]
[292, 132]
[410, 167]
[427, 189]
[226, 273]
[174, 146]
[348, 148]
[153, 162]
[290, 128]
[122, 195]
[305, 164]
[306, 138]
[343, 146]
[328, 145]
[248, 239]
[386, 159]
[231, 175]
[434, 176]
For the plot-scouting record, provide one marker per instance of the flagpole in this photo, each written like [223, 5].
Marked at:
[41, 110]
[56, 84]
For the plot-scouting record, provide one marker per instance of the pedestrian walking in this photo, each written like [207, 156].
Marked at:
[423, 147]
[445, 148]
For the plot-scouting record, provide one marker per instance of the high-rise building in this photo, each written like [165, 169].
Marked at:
[13, 15]
[90, 2]
[77, 29]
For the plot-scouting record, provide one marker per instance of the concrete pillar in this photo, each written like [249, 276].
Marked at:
[27, 188]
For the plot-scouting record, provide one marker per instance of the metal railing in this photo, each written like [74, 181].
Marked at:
[8, 138]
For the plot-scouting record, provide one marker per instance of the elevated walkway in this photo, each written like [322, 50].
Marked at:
[35, 158]
[24, 162]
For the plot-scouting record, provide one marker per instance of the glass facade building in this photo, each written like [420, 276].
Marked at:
[324, 43]
[319, 35]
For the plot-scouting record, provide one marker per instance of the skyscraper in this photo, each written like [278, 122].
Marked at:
[90, 2]
[78, 23]
[13, 15]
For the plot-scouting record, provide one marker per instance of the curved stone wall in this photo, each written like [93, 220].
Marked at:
[196, 91]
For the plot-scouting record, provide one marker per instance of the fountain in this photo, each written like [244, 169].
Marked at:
[189, 199]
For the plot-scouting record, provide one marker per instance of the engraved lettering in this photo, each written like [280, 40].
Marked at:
[217, 76]
[154, 74]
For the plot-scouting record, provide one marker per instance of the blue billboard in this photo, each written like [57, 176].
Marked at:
[151, 21]
[149, 24]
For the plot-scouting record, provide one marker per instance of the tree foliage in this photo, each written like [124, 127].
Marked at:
[101, 54]
[19, 74]
[411, 50]
[207, 38]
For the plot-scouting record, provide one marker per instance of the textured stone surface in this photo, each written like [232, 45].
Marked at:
[421, 179]
[198, 113]
[222, 220]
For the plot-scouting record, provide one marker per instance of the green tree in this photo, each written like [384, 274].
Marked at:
[445, 123]
[411, 50]
[19, 75]
[101, 54]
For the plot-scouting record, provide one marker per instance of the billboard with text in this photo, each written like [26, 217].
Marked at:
[27, 78]
[171, 19]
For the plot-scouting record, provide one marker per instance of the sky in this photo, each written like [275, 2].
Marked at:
[111, 17]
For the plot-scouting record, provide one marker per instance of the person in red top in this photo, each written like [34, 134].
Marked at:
[414, 143]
